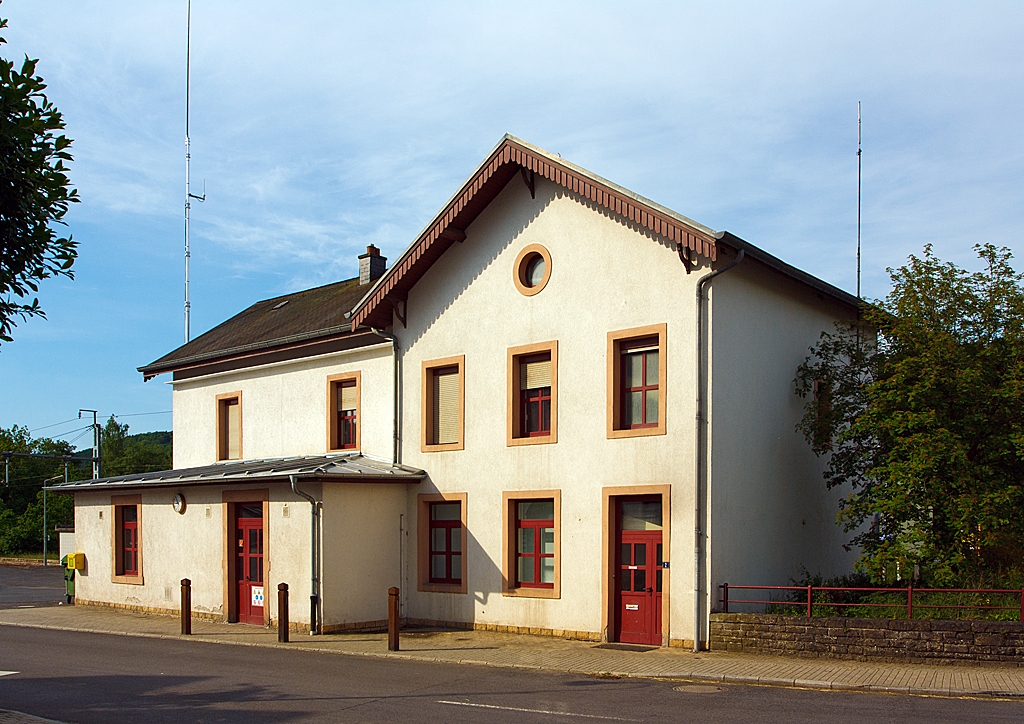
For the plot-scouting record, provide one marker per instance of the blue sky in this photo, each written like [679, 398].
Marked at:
[320, 127]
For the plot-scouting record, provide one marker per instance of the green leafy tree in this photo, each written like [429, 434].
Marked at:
[35, 193]
[125, 454]
[920, 411]
[21, 502]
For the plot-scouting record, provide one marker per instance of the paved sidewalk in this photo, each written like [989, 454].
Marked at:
[539, 652]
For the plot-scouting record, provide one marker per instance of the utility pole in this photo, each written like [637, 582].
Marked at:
[95, 444]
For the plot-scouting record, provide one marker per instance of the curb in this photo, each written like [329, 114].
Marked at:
[813, 684]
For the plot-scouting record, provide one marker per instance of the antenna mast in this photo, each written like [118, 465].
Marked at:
[188, 157]
[858, 198]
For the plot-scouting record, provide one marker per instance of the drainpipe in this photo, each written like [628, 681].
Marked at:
[314, 556]
[698, 438]
[396, 453]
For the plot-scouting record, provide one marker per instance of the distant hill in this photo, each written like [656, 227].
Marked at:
[163, 438]
[160, 438]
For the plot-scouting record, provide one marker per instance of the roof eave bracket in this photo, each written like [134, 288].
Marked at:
[453, 234]
[400, 311]
[684, 256]
[530, 181]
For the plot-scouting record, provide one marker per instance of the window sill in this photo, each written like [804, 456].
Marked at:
[637, 432]
[442, 587]
[536, 440]
[526, 592]
[130, 580]
[442, 448]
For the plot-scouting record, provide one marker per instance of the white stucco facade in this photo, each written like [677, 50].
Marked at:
[606, 276]
[284, 407]
[609, 275]
[771, 517]
[189, 545]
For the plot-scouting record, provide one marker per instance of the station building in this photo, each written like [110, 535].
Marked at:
[565, 409]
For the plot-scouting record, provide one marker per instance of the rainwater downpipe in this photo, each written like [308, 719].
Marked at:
[699, 452]
[314, 556]
[396, 458]
[396, 453]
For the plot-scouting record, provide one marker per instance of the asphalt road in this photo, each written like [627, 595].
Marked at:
[82, 678]
[31, 586]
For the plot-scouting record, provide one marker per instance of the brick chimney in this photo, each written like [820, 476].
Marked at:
[371, 265]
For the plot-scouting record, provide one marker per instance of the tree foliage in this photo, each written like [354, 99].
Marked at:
[35, 192]
[125, 454]
[21, 502]
[919, 409]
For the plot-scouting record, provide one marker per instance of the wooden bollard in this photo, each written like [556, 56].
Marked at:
[186, 607]
[282, 612]
[392, 619]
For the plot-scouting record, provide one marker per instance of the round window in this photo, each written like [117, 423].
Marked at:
[532, 269]
[535, 270]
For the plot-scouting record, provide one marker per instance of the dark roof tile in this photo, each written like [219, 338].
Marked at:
[307, 314]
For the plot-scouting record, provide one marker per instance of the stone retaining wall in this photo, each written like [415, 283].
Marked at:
[870, 639]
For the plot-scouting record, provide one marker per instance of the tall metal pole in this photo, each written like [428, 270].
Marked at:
[188, 156]
[858, 198]
[188, 159]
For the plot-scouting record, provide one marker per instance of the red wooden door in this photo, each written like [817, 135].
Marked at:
[639, 558]
[249, 563]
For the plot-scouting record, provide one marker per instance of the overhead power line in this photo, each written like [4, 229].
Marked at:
[56, 424]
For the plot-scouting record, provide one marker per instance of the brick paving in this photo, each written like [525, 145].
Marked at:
[546, 653]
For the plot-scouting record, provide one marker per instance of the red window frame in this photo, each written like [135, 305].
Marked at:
[537, 396]
[346, 419]
[128, 541]
[646, 386]
[537, 555]
[451, 528]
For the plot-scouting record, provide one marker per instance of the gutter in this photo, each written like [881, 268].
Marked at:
[769, 260]
[699, 452]
[396, 453]
[314, 556]
[156, 368]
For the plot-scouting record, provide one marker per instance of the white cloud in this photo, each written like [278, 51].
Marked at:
[320, 127]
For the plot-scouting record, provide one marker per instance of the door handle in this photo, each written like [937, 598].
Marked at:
[650, 589]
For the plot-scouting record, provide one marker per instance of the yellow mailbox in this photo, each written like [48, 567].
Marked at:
[76, 561]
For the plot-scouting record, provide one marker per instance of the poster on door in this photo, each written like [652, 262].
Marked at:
[257, 595]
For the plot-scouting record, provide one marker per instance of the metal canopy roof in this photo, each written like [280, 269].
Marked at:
[340, 468]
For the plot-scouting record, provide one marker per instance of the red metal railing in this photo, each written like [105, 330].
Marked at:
[909, 591]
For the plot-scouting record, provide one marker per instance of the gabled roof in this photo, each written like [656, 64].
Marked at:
[312, 314]
[510, 157]
[341, 468]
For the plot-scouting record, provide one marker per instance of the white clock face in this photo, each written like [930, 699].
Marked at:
[178, 503]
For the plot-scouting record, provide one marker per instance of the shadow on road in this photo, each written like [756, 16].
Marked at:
[153, 699]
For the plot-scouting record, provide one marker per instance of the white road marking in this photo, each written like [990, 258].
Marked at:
[8, 673]
[534, 711]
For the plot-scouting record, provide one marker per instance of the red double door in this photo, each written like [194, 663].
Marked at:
[639, 559]
[249, 562]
